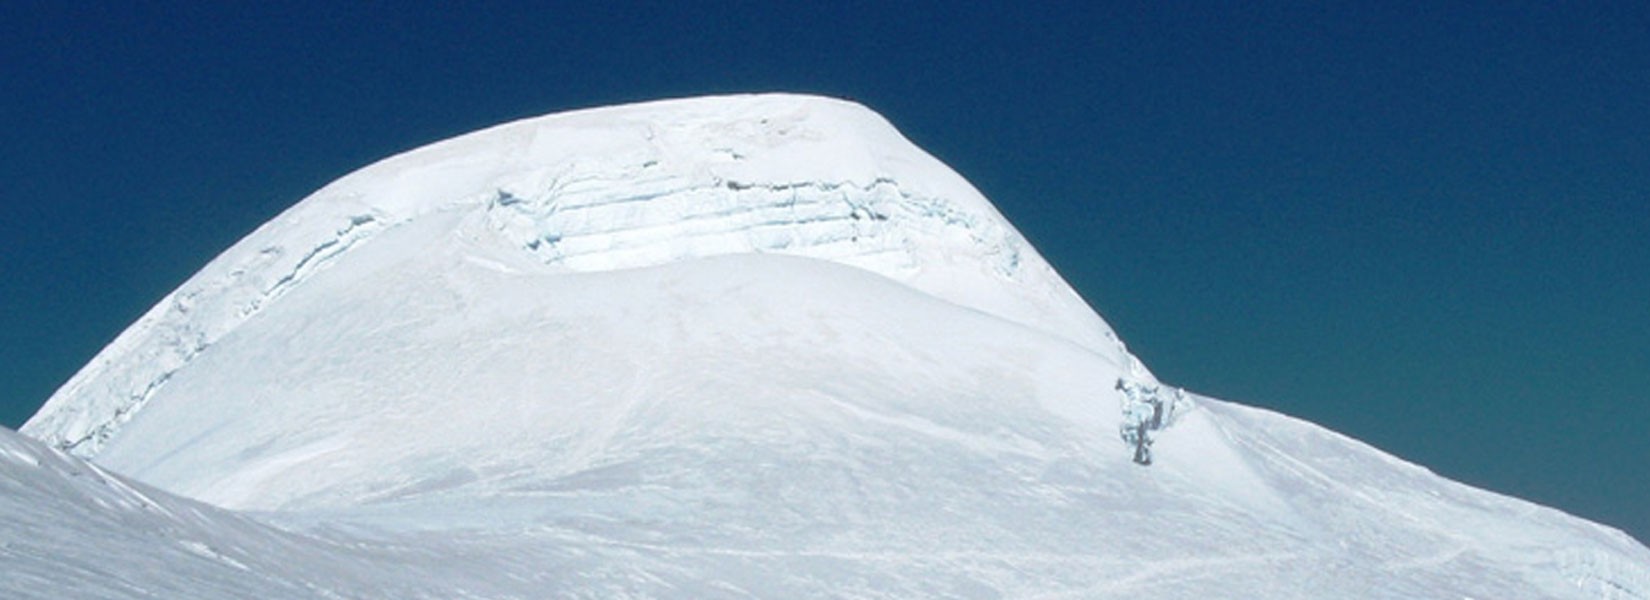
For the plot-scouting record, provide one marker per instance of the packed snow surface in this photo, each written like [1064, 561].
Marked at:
[752, 346]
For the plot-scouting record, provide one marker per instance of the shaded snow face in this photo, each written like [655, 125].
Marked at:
[610, 189]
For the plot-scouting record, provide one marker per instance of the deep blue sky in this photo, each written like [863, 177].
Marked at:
[1425, 228]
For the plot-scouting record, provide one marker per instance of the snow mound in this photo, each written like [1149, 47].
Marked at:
[608, 189]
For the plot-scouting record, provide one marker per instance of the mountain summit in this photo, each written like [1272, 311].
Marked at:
[746, 346]
[610, 189]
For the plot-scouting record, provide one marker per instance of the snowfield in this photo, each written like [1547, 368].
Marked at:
[748, 346]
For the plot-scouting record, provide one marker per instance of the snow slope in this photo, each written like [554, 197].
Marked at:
[74, 530]
[753, 346]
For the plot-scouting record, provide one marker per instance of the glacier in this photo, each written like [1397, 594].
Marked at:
[736, 346]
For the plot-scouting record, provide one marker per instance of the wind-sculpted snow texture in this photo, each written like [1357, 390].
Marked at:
[728, 347]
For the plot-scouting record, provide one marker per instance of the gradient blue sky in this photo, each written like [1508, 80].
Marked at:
[1422, 227]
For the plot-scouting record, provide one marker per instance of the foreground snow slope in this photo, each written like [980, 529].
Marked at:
[74, 530]
[507, 369]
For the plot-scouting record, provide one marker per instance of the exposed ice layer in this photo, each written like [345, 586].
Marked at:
[121, 379]
[606, 189]
[878, 226]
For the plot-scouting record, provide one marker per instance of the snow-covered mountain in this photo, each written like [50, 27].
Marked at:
[720, 347]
